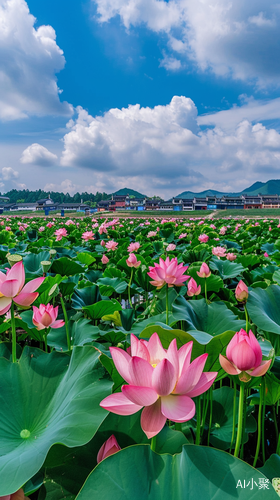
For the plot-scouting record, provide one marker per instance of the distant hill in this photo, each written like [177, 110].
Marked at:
[269, 187]
[130, 192]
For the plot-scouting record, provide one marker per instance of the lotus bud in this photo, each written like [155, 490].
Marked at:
[241, 292]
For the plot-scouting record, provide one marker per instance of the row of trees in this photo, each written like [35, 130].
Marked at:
[26, 196]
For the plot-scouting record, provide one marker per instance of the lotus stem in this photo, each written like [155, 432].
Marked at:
[45, 340]
[234, 416]
[153, 443]
[129, 285]
[211, 413]
[167, 305]
[244, 422]
[247, 318]
[66, 323]
[205, 289]
[275, 423]
[262, 393]
[197, 437]
[240, 420]
[14, 334]
[263, 417]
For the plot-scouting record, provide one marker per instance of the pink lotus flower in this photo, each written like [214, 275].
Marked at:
[168, 271]
[104, 259]
[265, 254]
[151, 234]
[163, 382]
[50, 224]
[102, 243]
[219, 251]
[193, 289]
[111, 245]
[182, 235]
[41, 229]
[203, 238]
[241, 292]
[45, 317]
[88, 235]
[18, 495]
[12, 289]
[231, 256]
[108, 448]
[171, 247]
[132, 261]
[223, 230]
[60, 233]
[244, 357]
[133, 247]
[204, 271]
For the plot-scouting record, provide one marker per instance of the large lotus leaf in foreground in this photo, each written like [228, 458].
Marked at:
[198, 472]
[263, 308]
[46, 399]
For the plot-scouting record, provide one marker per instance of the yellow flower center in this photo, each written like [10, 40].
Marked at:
[154, 365]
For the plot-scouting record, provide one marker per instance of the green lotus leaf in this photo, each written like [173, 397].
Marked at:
[263, 308]
[66, 267]
[225, 268]
[197, 472]
[214, 318]
[85, 297]
[46, 399]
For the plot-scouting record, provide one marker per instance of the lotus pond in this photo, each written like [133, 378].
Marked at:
[139, 358]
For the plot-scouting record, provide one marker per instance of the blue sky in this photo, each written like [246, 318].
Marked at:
[157, 96]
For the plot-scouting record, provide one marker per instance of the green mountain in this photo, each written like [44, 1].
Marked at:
[269, 187]
[130, 192]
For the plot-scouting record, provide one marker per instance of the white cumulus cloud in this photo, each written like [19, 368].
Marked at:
[29, 59]
[8, 173]
[237, 39]
[38, 155]
[163, 149]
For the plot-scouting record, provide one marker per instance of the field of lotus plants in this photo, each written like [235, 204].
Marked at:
[139, 358]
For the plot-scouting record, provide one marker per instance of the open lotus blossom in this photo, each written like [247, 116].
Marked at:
[223, 230]
[162, 381]
[231, 256]
[12, 288]
[88, 235]
[45, 317]
[204, 271]
[108, 448]
[241, 292]
[193, 289]
[151, 234]
[171, 247]
[168, 271]
[111, 245]
[132, 261]
[60, 233]
[244, 357]
[133, 247]
[219, 251]
[203, 238]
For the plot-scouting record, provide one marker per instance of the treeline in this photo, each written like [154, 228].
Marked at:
[26, 196]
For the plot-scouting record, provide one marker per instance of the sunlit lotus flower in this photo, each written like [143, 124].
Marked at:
[193, 289]
[102, 229]
[108, 448]
[231, 256]
[241, 292]
[69, 222]
[203, 238]
[45, 317]
[50, 224]
[104, 259]
[171, 247]
[8, 228]
[163, 382]
[219, 251]
[111, 245]
[212, 226]
[204, 271]
[60, 233]
[151, 234]
[168, 271]
[133, 247]
[88, 235]
[41, 229]
[223, 230]
[132, 261]
[12, 288]
[244, 357]
[182, 235]
[265, 254]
